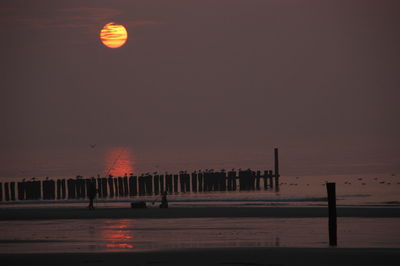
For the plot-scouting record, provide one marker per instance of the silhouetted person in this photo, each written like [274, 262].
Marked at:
[164, 202]
[91, 195]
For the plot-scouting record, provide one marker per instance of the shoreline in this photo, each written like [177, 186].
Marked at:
[197, 212]
[224, 256]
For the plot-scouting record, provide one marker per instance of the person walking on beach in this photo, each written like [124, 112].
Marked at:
[164, 202]
[91, 194]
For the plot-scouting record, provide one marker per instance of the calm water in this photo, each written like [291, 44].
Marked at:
[105, 235]
[294, 191]
[352, 189]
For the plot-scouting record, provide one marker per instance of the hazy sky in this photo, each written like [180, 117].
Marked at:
[319, 79]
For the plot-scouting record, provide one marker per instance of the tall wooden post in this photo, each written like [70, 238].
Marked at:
[126, 187]
[63, 190]
[156, 182]
[332, 213]
[111, 186]
[276, 167]
[162, 187]
[7, 191]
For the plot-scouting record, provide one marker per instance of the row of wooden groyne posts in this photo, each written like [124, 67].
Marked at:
[144, 185]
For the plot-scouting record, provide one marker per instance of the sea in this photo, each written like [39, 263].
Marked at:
[374, 190]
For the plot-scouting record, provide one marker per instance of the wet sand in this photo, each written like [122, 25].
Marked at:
[198, 212]
[236, 256]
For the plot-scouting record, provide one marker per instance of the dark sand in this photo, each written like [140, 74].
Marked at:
[239, 256]
[198, 212]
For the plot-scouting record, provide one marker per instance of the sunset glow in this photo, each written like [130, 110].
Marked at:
[113, 35]
[119, 162]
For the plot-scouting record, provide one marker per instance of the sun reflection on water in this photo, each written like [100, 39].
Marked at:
[119, 162]
[117, 235]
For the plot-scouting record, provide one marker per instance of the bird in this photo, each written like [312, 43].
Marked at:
[92, 146]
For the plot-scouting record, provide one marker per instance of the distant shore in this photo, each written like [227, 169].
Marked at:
[197, 212]
[233, 256]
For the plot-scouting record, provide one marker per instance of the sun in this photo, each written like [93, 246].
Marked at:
[113, 35]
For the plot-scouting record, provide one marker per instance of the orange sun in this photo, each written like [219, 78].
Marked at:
[113, 35]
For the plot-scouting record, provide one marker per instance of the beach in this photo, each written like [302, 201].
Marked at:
[198, 212]
[237, 256]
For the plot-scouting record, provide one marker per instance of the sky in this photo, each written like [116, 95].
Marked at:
[318, 79]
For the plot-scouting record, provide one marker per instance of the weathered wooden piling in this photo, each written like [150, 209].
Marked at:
[132, 185]
[7, 191]
[156, 182]
[182, 182]
[58, 189]
[48, 188]
[1, 191]
[330, 187]
[169, 183]
[63, 189]
[246, 180]
[265, 179]
[230, 180]
[276, 163]
[141, 185]
[126, 188]
[187, 182]
[99, 186]
[104, 191]
[12, 191]
[258, 177]
[194, 182]
[71, 188]
[111, 186]
[116, 190]
[200, 181]
[176, 180]
[120, 186]
[162, 183]
[81, 187]
[21, 190]
[149, 185]
[271, 178]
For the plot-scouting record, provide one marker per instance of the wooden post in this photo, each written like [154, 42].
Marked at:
[116, 191]
[223, 180]
[276, 167]
[38, 192]
[111, 186]
[126, 188]
[52, 189]
[140, 185]
[182, 182]
[200, 178]
[133, 185]
[63, 189]
[7, 191]
[120, 187]
[58, 189]
[176, 178]
[1, 191]
[258, 177]
[104, 187]
[149, 184]
[194, 182]
[156, 184]
[99, 187]
[332, 213]
[271, 176]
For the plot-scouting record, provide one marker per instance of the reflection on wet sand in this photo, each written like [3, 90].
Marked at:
[119, 162]
[137, 235]
[116, 236]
